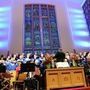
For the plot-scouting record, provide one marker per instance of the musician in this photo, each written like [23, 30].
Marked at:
[11, 65]
[21, 58]
[28, 57]
[1, 60]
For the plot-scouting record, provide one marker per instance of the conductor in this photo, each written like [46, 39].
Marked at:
[59, 56]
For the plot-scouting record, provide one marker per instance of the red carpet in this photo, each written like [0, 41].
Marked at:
[79, 88]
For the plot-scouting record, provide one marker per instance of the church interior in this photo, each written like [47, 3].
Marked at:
[44, 44]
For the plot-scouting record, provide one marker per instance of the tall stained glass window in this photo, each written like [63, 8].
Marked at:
[86, 9]
[40, 31]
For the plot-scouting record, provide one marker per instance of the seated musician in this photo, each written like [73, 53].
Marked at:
[48, 60]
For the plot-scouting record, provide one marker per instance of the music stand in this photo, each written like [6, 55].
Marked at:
[2, 68]
[28, 67]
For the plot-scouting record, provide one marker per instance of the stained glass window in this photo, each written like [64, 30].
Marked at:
[86, 9]
[40, 32]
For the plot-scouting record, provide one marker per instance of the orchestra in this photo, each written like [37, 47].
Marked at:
[12, 63]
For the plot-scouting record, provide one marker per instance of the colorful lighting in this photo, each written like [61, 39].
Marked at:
[4, 9]
[82, 43]
[78, 26]
[81, 33]
[5, 21]
[75, 11]
[3, 44]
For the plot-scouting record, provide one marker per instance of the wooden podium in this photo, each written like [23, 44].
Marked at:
[65, 77]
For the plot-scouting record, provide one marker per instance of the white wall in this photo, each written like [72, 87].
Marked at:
[65, 35]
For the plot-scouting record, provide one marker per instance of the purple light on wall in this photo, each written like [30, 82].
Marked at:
[77, 22]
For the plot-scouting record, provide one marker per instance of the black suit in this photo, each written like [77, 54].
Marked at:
[60, 56]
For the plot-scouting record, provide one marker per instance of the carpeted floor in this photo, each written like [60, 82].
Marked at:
[79, 88]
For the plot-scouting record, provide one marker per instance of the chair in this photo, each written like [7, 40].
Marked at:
[19, 83]
[5, 84]
[13, 79]
[22, 76]
[5, 81]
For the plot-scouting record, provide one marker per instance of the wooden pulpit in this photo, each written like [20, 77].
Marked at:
[65, 77]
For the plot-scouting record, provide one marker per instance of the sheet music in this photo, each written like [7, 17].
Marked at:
[62, 64]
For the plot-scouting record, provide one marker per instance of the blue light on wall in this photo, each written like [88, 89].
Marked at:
[78, 26]
[3, 33]
[82, 43]
[75, 11]
[81, 33]
[5, 21]
[78, 17]
[80, 21]
[4, 25]
[3, 44]
[4, 9]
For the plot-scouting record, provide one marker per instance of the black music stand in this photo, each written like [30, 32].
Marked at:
[2, 68]
[27, 67]
[30, 81]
